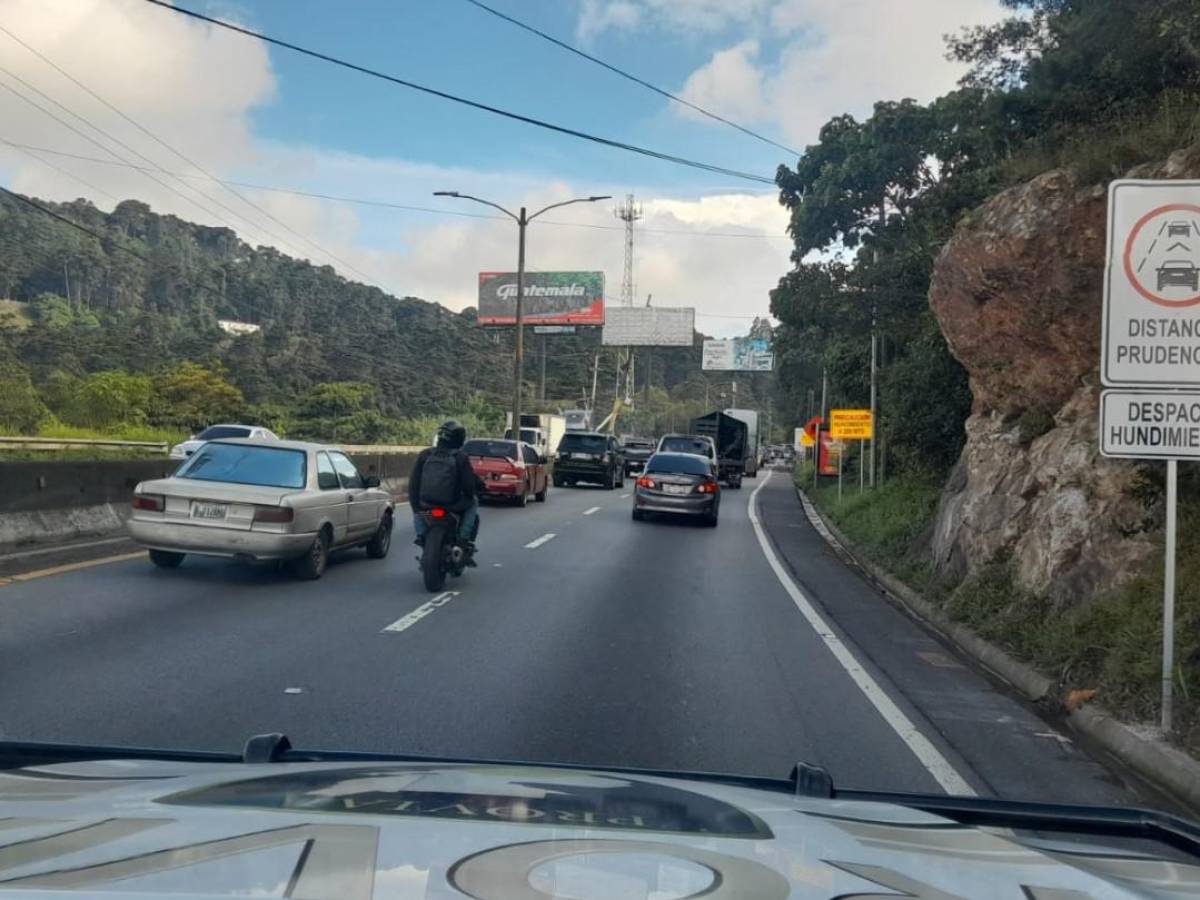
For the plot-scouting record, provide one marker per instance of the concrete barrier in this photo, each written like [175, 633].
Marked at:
[50, 502]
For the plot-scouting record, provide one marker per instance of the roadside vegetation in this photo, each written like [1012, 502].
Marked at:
[1108, 644]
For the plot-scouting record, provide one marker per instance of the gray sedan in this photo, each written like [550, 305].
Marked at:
[250, 500]
[680, 484]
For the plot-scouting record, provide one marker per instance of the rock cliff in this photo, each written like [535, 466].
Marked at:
[1017, 292]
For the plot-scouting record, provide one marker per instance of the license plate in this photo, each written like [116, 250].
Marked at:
[209, 510]
[581, 456]
[677, 488]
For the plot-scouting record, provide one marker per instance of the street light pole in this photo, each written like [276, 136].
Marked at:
[522, 221]
[519, 350]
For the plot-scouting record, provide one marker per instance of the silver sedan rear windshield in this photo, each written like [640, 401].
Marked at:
[244, 464]
[677, 463]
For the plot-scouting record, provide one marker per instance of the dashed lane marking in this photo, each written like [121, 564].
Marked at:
[626, 496]
[594, 509]
[70, 567]
[532, 545]
[922, 748]
[408, 621]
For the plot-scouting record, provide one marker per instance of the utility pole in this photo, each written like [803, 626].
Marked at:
[874, 346]
[542, 377]
[595, 375]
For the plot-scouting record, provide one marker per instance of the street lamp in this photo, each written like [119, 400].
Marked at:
[522, 220]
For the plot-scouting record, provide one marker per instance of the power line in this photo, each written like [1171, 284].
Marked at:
[179, 154]
[474, 104]
[363, 201]
[616, 71]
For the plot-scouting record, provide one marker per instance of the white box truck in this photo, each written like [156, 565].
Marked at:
[750, 417]
[542, 430]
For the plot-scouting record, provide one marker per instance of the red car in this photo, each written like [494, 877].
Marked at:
[510, 471]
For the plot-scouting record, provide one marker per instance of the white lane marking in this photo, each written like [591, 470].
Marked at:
[594, 509]
[926, 753]
[626, 496]
[545, 537]
[293, 690]
[420, 612]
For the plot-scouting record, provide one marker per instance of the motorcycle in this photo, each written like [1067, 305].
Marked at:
[443, 553]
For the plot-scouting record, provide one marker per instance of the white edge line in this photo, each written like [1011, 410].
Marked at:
[594, 509]
[537, 543]
[926, 753]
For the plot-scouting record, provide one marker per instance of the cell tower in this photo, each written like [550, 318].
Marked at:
[629, 213]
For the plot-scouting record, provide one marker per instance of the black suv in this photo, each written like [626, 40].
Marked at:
[637, 452]
[589, 456]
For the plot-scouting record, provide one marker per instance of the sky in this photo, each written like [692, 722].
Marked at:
[194, 99]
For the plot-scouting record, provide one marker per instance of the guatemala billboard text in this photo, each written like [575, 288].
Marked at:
[551, 298]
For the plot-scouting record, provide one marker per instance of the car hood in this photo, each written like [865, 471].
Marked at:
[134, 829]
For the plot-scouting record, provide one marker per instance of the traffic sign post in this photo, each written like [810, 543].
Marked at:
[852, 425]
[1151, 340]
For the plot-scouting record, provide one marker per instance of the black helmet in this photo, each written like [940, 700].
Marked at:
[451, 434]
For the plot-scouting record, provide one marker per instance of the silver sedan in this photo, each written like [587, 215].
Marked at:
[250, 500]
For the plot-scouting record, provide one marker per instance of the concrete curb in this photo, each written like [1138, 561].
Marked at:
[1154, 759]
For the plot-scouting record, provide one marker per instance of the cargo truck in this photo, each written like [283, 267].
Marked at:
[541, 430]
[750, 417]
[730, 434]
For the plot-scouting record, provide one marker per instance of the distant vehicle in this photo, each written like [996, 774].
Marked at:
[637, 451]
[578, 419]
[219, 432]
[1180, 229]
[750, 417]
[699, 445]
[509, 471]
[679, 484]
[589, 456]
[730, 435]
[542, 430]
[251, 500]
[1178, 273]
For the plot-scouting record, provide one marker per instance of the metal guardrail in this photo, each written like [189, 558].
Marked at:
[379, 448]
[38, 443]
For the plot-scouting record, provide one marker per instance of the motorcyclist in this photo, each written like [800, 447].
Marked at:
[442, 476]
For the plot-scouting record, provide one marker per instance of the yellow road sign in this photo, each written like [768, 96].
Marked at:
[807, 440]
[851, 424]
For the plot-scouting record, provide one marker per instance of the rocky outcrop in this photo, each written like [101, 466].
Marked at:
[1017, 292]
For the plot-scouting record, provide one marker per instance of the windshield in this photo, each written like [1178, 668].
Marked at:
[243, 464]
[223, 431]
[494, 449]
[680, 464]
[686, 445]
[583, 443]
[905, 292]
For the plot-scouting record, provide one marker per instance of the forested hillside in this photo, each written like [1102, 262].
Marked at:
[123, 332]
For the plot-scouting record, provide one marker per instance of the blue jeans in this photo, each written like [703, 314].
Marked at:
[468, 523]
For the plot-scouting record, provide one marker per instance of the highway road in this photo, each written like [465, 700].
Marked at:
[582, 637]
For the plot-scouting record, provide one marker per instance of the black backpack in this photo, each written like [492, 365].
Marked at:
[439, 479]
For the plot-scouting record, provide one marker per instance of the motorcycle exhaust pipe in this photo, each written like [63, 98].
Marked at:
[457, 555]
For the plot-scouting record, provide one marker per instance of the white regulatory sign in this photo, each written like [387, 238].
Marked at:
[1152, 285]
[1150, 424]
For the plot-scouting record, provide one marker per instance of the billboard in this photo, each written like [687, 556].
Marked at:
[648, 326]
[551, 298]
[738, 355]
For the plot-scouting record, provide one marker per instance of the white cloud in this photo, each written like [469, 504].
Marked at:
[596, 17]
[838, 56]
[730, 84]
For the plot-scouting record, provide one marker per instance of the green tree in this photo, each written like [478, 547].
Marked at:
[21, 410]
[192, 396]
[108, 399]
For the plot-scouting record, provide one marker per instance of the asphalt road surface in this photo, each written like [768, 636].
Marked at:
[582, 637]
